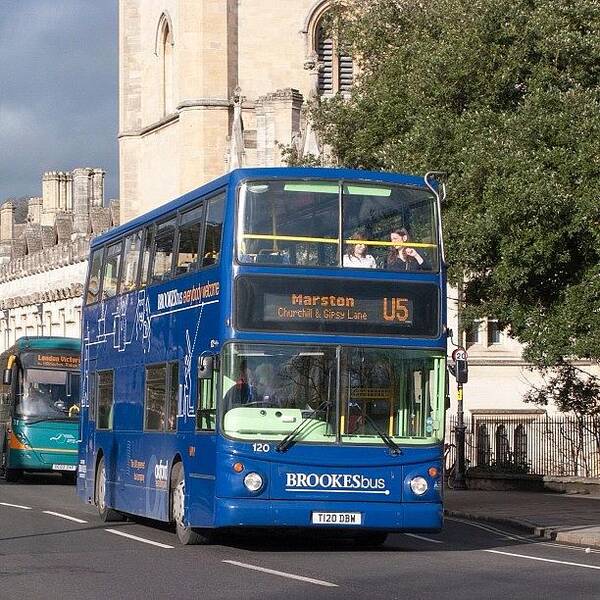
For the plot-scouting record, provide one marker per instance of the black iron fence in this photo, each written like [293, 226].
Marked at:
[560, 445]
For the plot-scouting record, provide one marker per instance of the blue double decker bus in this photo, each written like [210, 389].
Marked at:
[269, 350]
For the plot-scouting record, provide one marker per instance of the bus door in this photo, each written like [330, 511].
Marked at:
[204, 445]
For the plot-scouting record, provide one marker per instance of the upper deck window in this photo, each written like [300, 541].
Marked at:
[131, 259]
[214, 230]
[112, 263]
[162, 258]
[93, 286]
[190, 229]
[388, 227]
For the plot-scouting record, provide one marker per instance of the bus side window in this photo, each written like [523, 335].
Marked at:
[146, 252]
[162, 256]
[105, 397]
[92, 397]
[110, 276]
[93, 285]
[173, 395]
[131, 261]
[214, 229]
[155, 397]
[190, 228]
[206, 403]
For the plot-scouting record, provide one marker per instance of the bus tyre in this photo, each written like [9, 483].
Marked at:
[12, 475]
[370, 538]
[106, 513]
[186, 535]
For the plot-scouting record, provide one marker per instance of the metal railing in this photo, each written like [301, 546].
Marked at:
[557, 445]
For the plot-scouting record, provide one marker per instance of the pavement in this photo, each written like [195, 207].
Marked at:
[566, 518]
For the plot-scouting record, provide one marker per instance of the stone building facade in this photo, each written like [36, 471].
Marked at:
[43, 255]
[209, 86]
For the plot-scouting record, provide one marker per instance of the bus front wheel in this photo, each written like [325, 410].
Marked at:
[187, 535]
[106, 513]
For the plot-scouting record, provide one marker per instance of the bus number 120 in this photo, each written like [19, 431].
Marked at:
[261, 447]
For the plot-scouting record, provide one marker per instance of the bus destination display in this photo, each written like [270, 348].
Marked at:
[333, 305]
[47, 360]
[306, 307]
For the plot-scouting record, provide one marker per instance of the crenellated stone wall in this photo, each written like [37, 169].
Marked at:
[43, 261]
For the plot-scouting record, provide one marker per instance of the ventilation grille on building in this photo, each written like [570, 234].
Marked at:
[346, 72]
[325, 52]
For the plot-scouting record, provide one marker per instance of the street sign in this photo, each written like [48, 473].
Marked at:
[459, 354]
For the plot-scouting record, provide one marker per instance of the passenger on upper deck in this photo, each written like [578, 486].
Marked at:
[356, 254]
[402, 257]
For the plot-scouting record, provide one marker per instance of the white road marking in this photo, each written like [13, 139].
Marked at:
[489, 528]
[521, 538]
[16, 506]
[570, 496]
[138, 539]
[550, 560]
[49, 512]
[280, 573]
[422, 537]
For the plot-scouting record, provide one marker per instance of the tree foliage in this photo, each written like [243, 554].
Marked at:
[503, 95]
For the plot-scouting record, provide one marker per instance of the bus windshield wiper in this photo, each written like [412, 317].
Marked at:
[387, 440]
[289, 439]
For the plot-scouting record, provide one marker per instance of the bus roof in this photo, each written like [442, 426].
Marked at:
[46, 343]
[237, 175]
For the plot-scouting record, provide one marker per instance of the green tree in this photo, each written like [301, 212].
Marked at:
[503, 95]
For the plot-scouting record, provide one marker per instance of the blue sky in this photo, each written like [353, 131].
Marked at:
[58, 91]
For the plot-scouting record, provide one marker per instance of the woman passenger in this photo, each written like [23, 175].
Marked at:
[402, 257]
[356, 254]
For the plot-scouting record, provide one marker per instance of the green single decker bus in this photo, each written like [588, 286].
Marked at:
[39, 406]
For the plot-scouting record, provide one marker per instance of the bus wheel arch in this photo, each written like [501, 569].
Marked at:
[187, 535]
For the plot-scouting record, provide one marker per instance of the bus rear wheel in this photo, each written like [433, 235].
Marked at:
[106, 513]
[188, 536]
[12, 475]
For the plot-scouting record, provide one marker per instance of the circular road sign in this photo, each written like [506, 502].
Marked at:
[459, 354]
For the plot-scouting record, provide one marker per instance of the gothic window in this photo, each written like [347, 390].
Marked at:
[165, 52]
[336, 66]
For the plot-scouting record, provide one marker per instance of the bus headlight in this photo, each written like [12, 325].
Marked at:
[253, 482]
[418, 485]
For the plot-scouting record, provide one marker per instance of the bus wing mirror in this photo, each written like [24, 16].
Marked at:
[207, 363]
[7, 377]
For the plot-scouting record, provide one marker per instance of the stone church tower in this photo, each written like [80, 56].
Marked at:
[207, 86]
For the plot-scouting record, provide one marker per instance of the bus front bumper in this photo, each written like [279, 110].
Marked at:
[43, 460]
[409, 516]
